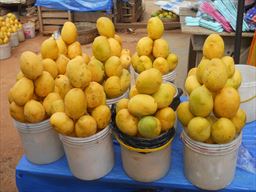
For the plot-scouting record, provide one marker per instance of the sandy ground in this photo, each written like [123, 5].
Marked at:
[10, 145]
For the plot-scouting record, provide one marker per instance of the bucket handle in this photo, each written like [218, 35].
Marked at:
[247, 100]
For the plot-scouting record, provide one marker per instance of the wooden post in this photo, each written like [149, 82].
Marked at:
[40, 19]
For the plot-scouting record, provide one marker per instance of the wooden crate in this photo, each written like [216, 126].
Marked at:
[52, 20]
[90, 16]
[129, 12]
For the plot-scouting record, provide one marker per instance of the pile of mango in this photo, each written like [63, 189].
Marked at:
[162, 14]
[153, 51]
[147, 113]
[213, 114]
[66, 85]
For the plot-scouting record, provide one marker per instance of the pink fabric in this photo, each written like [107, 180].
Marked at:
[210, 10]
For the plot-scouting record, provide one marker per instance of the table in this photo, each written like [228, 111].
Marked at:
[56, 177]
[199, 34]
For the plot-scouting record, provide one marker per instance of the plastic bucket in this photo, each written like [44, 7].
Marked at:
[14, 40]
[29, 30]
[5, 51]
[247, 91]
[41, 143]
[21, 35]
[210, 166]
[91, 157]
[110, 102]
[170, 77]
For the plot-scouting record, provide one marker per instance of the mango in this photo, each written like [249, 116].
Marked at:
[62, 85]
[51, 67]
[144, 46]
[167, 118]
[155, 28]
[213, 46]
[78, 73]
[215, 75]
[48, 100]
[133, 92]
[149, 81]
[125, 61]
[143, 63]
[19, 75]
[57, 106]
[105, 27]
[74, 50]
[61, 63]
[192, 71]
[191, 83]
[126, 52]
[95, 95]
[115, 47]
[148, 105]
[22, 91]
[135, 59]
[17, 112]
[86, 58]
[85, 126]
[49, 49]
[149, 127]
[239, 120]
[102, 115]
[34, 111]
[69, 32]
[62, 123]
[118, 38]
[223, 131]
[113, 66]
[44, 84]
[31, 65]
[97, 70]
[62, 47]
[199, 129]
[201, 102]
[125, 80]
[112, 87]
[122, 104]
[75, 103]
[126, 122]
[172, 60]
[235, 81]
[164, 96]
[227, 102]
[162, 65]
[101, 48]
[230, 65]
[161, 48]
[200, 70]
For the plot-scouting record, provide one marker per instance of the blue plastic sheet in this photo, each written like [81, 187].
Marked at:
[57, 176]
[77, 5]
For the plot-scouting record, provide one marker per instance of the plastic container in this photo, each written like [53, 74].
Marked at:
[29, 30]
[247, 91]
[41, 143]
[91, 157]
[5, 51]
[170, 77]
[21, 35]
[210, 166]
[14, 40]
[110, 102]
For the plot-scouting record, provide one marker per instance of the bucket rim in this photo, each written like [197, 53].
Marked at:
[28, 125]
[82, 140]
[210, 149]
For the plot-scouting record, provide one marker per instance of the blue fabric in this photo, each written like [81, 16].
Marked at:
[56, 177]
[77, 5]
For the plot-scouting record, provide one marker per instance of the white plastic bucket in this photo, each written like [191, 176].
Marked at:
[21, 35]
[247, 91]
[5, 51]
[91, 157]
[110, 102]
[41, 143]
[210, 166]
[14, 40]
[29, 30]
[146, 167]
[169, 77]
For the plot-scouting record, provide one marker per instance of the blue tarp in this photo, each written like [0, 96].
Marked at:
[77, 5]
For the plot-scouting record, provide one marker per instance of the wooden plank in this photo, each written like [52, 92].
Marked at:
[51, 27]
[40, 19]
[45, 9]
[57, 14]
[54, 21]
[69, 16]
